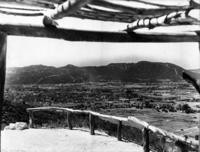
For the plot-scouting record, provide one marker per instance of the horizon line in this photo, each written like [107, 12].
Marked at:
[92, 65]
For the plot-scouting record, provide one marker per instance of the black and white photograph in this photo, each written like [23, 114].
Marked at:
[100, 75]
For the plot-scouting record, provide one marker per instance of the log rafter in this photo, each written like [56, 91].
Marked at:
[123, 13]
[39, 13]
[52, 3]
[63, 10]
[120, 13]
[39, 3]
[66, 8]
[136, 9]
[190, 16]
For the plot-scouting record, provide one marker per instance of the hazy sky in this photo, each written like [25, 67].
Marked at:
[24, 51]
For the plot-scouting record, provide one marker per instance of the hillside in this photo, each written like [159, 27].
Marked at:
[124, 72]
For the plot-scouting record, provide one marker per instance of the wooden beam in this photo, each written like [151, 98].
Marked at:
[54, 109]
[95, 14]
[20, 8]
[135, 9]
[160, 4]
[3, 48]
[93, 36]
[173, 18]
[62, 10]
[66, 8]
[132, 12]
[21, 13]
[38, 3]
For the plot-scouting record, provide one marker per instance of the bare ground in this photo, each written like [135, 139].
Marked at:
[62, 140]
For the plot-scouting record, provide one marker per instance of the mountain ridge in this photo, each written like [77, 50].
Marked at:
[124, 72]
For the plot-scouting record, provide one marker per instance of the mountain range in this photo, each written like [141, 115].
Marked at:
[124, 72]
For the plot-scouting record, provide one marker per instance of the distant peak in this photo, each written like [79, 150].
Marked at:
[37, 65]
[69, 66]
[148, 62]
[118, 64]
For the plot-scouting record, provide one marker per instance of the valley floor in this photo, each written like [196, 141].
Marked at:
[62, 140]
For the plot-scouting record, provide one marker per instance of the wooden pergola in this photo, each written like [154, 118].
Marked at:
[137, 14]
[142, 18]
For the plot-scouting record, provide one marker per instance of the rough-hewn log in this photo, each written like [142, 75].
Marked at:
[135, 9]
[43, 3]
[174, 18]
[3, 48]
[38, 3]
[63, 10]
[142, 124]
[137, 123]
[55, 109]
[160, 4]
[92, 124]
[145, 132]
[94, 36]
[105, 16]
[119, 130]
[21, 8]
[130, 121]
[108, 117]
[21, 13]
[66, 8]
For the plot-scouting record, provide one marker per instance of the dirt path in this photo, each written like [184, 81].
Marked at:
[62, 140]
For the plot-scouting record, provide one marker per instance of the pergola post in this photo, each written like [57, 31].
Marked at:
[3, 48]
[199, 92]
[199, 132]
